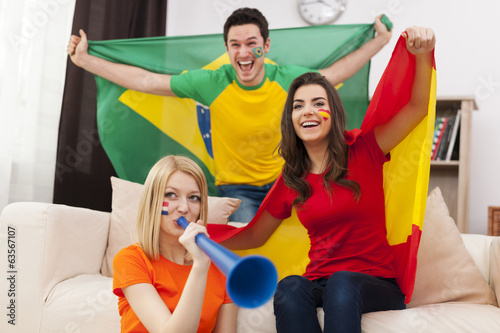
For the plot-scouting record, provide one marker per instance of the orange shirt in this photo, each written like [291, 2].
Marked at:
[132, 266]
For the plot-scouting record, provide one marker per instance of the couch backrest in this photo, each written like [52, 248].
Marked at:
[479, 247]
[75, 241]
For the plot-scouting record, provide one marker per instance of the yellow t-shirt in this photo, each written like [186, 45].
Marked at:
[245, 121]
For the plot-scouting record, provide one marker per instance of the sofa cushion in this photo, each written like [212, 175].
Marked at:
[262, 319]
[434, 318]
[445, 269]
[84, 303]
[125, 201]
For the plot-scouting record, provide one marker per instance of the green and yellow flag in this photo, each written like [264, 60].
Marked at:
[137, 129]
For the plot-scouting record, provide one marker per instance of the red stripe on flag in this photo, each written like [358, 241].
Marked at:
[393, 90]
[405, 258]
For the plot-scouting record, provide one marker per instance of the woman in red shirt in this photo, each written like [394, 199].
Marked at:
[337, 189]
[165, 282]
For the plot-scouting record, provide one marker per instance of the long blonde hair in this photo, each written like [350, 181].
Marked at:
[150, 206]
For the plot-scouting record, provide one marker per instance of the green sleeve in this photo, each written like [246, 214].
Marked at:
[202, 85]
[285, 74]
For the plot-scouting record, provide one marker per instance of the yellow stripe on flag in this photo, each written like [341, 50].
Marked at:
[168, 114]
[406, 177]
[287, 248]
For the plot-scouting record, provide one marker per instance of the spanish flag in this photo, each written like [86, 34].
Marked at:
[406, 179]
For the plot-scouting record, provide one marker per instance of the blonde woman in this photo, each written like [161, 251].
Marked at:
[165, 282]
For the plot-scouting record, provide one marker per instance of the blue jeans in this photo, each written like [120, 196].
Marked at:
[345, 296]
[251, 197]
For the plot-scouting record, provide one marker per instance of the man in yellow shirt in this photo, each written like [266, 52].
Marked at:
[245, 100]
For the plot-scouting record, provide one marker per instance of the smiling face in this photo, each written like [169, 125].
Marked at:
[183, 196]
[311, 115]
[243, 43]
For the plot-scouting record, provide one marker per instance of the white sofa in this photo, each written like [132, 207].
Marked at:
[54, 281]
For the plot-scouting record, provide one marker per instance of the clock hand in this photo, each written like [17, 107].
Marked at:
[324, 3]
[309, 3]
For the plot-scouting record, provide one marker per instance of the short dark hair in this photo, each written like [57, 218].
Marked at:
[247, 15]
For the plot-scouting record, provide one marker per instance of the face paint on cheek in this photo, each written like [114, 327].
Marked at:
[258, 52]
[164, 209]
[325, 114]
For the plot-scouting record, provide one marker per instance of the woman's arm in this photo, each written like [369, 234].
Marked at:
[147, 305]
[153, 312]
[420, 42]
[130, 77]
[254, 236]
[226, 319]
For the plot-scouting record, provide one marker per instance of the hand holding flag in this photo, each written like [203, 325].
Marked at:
[419, 40]
[383, 28]
[77, 47]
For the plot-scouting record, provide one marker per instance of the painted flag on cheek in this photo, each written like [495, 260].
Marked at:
[164, 209]
[258, 52]
[406, 179]
[325, 114]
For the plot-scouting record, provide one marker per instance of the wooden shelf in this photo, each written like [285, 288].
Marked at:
[445, 163]
[452, 177]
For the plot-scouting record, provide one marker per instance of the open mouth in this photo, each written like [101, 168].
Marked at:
[309, 124]
[246, 66]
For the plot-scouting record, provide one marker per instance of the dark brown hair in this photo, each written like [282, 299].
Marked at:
[246, 15]
[293, 151]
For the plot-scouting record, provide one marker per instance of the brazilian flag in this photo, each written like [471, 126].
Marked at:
[137, 129]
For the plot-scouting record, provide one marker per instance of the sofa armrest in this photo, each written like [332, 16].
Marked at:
[485, 252]
[48, 243]
[495, 267]
[479, 248]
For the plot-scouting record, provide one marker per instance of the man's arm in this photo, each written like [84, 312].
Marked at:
[347, 66]
[130, 77]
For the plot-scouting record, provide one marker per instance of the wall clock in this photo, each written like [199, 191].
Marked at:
[318, 12]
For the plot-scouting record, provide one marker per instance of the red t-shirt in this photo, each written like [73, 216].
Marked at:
[345, 234]
[132, 266]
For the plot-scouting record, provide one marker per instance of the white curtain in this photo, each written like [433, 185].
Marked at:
[33, 39]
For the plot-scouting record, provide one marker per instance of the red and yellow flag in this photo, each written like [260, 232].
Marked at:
[406, 180]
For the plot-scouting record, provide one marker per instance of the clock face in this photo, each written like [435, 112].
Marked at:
[321, 11]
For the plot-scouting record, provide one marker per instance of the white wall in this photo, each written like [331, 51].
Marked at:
[467, 60]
